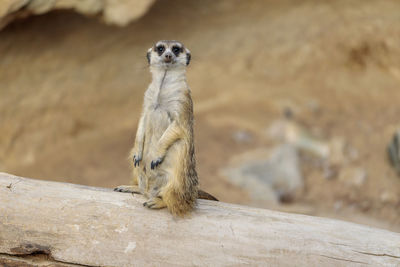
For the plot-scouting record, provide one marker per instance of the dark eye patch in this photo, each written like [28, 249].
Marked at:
[160, 49]
[176, 50]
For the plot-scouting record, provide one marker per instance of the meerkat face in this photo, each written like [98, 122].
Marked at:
[168, 54]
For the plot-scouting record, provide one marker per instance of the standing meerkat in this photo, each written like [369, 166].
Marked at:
[164, 164]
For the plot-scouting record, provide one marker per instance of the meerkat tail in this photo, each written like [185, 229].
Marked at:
[180, 193]
[204, 195]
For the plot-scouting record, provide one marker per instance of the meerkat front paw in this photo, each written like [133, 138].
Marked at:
[156, 162]
[136, 159]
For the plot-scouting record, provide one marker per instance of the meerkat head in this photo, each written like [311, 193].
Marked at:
[168, 55]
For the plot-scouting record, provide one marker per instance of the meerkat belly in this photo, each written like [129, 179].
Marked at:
[158, 122]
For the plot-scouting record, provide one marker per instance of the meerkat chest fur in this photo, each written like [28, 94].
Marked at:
[165, 95]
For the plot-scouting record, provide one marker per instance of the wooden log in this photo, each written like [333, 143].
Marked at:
[60, 224]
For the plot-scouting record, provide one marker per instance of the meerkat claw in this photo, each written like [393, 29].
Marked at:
[148, 205]
[127, 189]
[155, 163]
[154, 203]
[136, 160]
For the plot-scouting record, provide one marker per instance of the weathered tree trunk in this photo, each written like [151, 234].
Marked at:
[58, 224]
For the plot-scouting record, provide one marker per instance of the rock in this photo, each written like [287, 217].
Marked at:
[330, 171]
[117, 12]
[242, 137]
[314, 106]
[389, 198]
[290, 132]
[353, 153]
[353, 176]
[268, 176]
[337, 151]
[365, 205]
[338, 205]
[87, 7]
[393, 150]
[334, 151]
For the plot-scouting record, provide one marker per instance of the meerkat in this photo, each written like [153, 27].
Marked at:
[163, 156]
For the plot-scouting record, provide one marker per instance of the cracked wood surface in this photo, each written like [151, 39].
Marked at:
[58, 224]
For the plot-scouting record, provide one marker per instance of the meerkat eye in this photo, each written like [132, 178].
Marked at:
[176, 50]
[160, 49]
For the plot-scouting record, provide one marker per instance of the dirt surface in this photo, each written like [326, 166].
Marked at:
[71, 90]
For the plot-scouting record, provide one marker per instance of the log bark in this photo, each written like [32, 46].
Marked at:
[46, 223]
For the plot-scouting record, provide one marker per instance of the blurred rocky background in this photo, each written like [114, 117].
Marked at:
[295, 101]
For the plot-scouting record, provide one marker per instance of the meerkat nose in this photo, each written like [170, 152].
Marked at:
[167, 57]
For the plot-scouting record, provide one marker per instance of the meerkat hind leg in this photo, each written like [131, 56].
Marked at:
[134, 189]
[155, 203]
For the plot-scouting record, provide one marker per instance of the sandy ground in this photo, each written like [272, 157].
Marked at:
[71, 90]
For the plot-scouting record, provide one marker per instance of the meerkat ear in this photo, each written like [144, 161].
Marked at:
[148, 55]
[188, 56]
